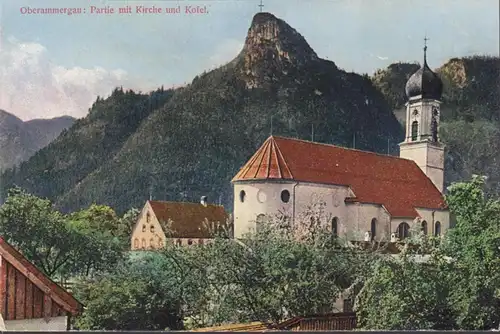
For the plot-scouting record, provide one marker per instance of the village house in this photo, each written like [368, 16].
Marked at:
[368, 196]
[187, 224]
[29, 300]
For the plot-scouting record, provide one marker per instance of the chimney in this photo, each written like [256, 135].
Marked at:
[203, 200]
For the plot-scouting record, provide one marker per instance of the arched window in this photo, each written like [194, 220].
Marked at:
[259, 222]
[285, 196]
[437, 229]
[144, 228]
[152, 228]
[190, 242]
[414, 131]
[424, 227]
[403, 231]
[242, 196]
[136, 243]
[335, 226]
[373, 228]
[148, 218]
[143, 243]
[152, 243]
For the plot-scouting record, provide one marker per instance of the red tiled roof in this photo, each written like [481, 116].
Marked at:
[397, 184]
[39, 279]
[188, 218]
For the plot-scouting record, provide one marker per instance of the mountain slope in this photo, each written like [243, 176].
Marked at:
[198, 140]
[20, 140]
[88, 144]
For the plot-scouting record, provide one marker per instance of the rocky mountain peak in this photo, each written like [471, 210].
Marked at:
[272, 48]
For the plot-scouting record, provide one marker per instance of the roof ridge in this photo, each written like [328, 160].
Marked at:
[340, 147]
[278, 149]
[181, 202]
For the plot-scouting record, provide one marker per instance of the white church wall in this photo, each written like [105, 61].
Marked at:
[353, 220]
[332, 195]
[260, 198]
[360, 217]
[433, 216]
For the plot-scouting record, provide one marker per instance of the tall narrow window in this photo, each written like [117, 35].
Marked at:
[437, 229]
[242, 196]
[403, 231]
[151, 243]
[144, 228]
[144, 243]
[148, 217]
[152, 228]
[335, 226]
[414, 131]
[136, 243]
[424, 227]
[373, 228]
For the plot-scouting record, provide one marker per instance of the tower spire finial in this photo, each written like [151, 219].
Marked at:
[425, 49]
[261, 5]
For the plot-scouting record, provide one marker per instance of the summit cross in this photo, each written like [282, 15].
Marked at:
[261, 5]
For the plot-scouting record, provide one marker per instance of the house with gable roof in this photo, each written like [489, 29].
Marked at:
[189, 223]
[29, 300]
[377, 196]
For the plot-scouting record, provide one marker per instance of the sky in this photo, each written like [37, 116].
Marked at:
[53, 65]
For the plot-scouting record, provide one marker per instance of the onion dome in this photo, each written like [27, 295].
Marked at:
[424, 83]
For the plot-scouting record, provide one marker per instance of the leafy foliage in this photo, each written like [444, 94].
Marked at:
[455, 286]
[271, 275]
[58, 244]
[142, 293]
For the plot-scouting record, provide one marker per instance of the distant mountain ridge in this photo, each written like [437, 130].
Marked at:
[182, 144]
[20, 140]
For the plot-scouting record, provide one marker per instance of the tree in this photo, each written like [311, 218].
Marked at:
[126, 225]
[61, 245]
[32, 225]
[456, 287]
[142, 294]
[273, 274]
[404, 294]
[474, 245]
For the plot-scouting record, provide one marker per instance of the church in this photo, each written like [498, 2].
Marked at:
[367, 196]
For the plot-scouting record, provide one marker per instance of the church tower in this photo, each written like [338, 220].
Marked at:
[422, 143]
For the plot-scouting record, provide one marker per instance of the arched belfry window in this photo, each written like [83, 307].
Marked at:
[414, 130]
[424, 227]
[403, 231]
[437, 229]
[335, 226]
[373, 227]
